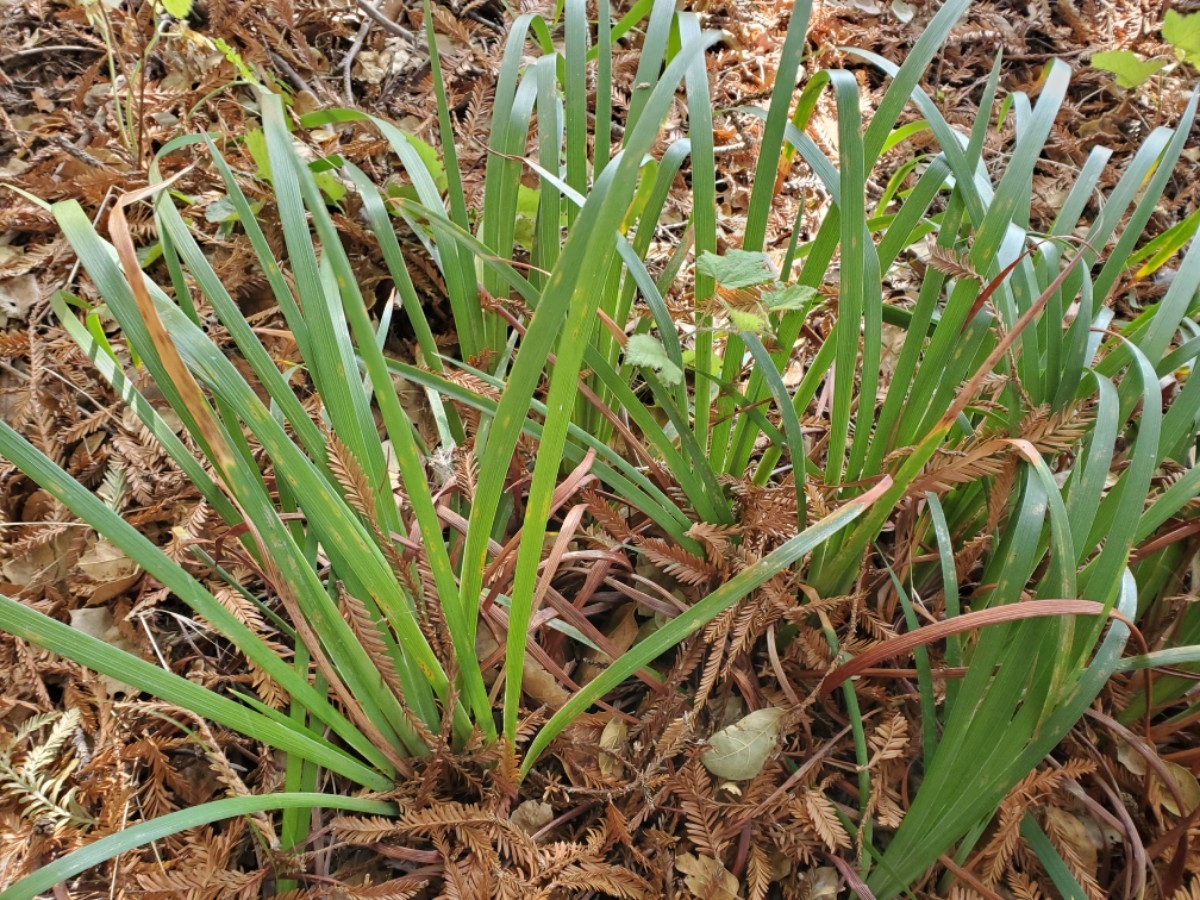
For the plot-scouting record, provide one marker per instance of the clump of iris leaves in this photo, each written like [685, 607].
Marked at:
[1048, 329]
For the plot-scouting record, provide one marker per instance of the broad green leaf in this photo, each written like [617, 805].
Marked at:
[1131, 71]
[648, 352]
[1183, 33]
[737, 268]
[330, 186]
[793, 296]
[433, 162]
[256, 145]
[220, 210]
[180, 9]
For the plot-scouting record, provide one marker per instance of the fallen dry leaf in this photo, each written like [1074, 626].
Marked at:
[612, 739]
[739, 751]
[17, 297]
[532, 816]
[110, 569]
[706, 878]
[98, 622]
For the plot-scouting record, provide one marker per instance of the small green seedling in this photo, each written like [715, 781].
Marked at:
[1181, 31]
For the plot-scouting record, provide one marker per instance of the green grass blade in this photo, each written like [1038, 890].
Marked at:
[859, 304]
[343, 536]
[791, 422]
[143, 833]
[569, 293]
[576, 336]
[139, 548]
[604, 88]
[461, 623]
[704, 216]
[1163, 168]
[94, 654]
[650, 61]
[1058, 871]
[771, 147]
[454, 185]
[693, 619]
[575, 59]
[146, 413]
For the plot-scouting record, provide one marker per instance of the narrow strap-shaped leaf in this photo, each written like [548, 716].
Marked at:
[139, 548]
[208, 364]
[771, 147]
[791, 423]
[454, 185]
[93, 653]
[569, 293]
[696, 617]
[575, 59]
[143, 833]
[704, 216]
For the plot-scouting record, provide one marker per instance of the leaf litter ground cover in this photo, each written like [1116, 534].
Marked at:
[624, 802]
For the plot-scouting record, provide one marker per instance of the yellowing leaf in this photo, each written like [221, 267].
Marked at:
[821, 884]
[1183, 33]
[532, 816]
[1189, 790]
[1131, 71]
[740, 751]
[1128, 756]
[1072, 832]
[1161, 794]
[18, 295]
[179, 9]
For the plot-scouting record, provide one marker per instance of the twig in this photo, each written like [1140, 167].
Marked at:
[57, 48]
[486, 22]
[388, 24]
[348, 62]
[292, 75]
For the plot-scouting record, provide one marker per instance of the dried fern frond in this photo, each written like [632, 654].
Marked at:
[365, 829]
[392, 889]
[719, 539]
[822, 816]
[677, 562]
[888, 740]
[608, 518]
[702, 814]
[351, 477]
[953, 263]
[36, 764]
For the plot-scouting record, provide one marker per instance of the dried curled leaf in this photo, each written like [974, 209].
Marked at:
[739, 751]
[613, 741]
